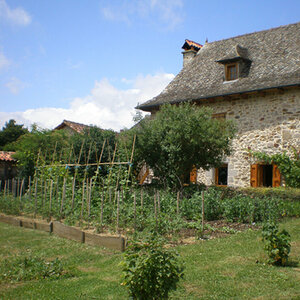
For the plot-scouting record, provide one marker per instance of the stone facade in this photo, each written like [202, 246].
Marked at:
[268, 122]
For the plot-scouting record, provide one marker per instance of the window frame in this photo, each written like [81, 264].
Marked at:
[228, 67]
[217, 175]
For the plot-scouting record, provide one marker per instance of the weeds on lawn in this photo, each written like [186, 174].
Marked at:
[31, 268]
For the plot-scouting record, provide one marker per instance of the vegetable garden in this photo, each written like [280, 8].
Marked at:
[105, 196]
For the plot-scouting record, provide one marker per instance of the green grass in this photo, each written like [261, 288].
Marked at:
[227, 268]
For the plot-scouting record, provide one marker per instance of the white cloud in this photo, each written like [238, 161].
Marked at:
[106, 106]
[17, 16]
[15, 85]
[168, 12]
[4, 62]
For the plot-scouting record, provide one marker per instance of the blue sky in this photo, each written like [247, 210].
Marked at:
[93, 61]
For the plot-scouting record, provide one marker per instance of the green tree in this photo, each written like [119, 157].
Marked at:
[179, 138]
[10, 133]
[50, 144]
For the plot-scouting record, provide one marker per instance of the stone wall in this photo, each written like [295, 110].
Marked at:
[266, 122]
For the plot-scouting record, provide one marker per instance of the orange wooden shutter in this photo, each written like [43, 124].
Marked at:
[217, 176]
[254, 175]
[276, 176]
[193, 175]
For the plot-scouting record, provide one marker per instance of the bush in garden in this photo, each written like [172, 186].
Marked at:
[213, 208]
[150, 270]
[277, 244]
[239, 208]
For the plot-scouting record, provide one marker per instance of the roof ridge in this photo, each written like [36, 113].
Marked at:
[254, 32]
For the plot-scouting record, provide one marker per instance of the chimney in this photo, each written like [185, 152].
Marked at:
[190, 50]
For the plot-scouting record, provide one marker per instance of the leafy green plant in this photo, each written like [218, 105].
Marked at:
[277, 244]
[150, 270]
[31, 268]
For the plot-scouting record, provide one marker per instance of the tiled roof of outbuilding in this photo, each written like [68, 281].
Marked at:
[275, 62]
[7, 156]
[73, 125]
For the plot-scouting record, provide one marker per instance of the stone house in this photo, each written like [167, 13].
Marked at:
[254, 80]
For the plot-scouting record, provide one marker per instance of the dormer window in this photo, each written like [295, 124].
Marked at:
[236, 63]
[231, 71]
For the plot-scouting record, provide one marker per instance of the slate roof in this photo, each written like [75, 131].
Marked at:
[77, 127]
[274, 55]
[6, 156]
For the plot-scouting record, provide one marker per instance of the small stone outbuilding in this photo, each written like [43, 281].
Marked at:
[254, 80]
[71, 127]
[8, 169]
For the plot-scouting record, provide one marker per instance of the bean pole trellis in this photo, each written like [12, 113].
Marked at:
[68, 189]
[100, 193]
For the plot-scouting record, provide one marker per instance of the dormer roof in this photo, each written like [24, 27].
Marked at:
[236, 53]
[275, 57]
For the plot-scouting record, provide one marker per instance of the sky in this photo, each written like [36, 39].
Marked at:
[93, 61]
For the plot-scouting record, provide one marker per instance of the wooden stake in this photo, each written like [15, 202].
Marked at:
[22, 183]
[134, 211]
[89, 201]
[45, 193]
[29, 188]
[155, 210]
[35, 196]
[178, 194]
[202, 212]
[18, 188]
[158, 202]
[102, 204]
[131, 158]
[142, 199]
[50, 199]
[63, 197]
[5, 187]
[73, 192]
[13, 187]
[118, 210]
[82, 201]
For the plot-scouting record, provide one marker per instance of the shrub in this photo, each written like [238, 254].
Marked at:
[150, 270]
[277, 244]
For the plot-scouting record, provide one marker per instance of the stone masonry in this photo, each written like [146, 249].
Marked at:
[268, 122]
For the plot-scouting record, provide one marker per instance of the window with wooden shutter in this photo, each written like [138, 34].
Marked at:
[193, 175]
[254, 175]
[221, 175]
[276, 176]
[265, 176]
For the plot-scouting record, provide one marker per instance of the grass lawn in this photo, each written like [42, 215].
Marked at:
[225, 268]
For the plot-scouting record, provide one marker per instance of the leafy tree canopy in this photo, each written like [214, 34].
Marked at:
[10, 133]
[179, 138]
[50, 145]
